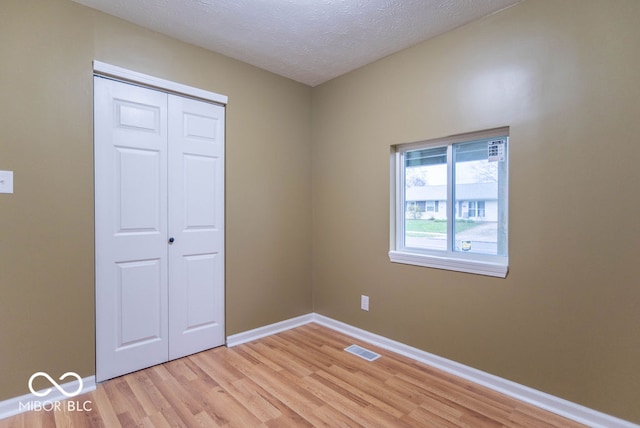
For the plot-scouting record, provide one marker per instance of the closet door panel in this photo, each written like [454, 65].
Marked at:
[130, 151]
[196, 224]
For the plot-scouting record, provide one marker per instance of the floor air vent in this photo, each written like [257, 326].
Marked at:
[362, 353]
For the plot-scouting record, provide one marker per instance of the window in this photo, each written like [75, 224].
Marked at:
[450, 202]
[476, 209]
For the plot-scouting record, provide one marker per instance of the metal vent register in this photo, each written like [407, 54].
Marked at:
[362, 353]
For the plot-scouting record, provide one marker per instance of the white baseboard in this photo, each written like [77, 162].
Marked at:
[25, 403]
[517, 391]
[267, 330]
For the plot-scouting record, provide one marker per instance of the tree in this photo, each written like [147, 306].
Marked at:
[484, 172]
[414, 211]
[416, 176]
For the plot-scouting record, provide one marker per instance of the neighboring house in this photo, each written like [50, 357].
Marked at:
[476, 201]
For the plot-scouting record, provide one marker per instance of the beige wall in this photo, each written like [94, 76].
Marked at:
[564, 76]
[46, 137]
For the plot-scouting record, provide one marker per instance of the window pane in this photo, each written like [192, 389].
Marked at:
[425, 190]
[478, 206]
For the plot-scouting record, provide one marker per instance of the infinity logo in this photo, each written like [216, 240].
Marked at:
[54, 383]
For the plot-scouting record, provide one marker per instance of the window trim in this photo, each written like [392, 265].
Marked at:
[482, 264]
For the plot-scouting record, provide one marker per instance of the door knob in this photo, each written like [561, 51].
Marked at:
[171, 240]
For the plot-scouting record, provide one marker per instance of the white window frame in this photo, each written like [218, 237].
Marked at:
[482, 264]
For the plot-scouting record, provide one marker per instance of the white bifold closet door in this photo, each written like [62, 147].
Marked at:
[159, 213]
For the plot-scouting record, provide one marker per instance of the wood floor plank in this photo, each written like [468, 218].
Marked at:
[383, 398]
[291, 394]
[530, 416]
[105, 410]
[308, 349]
[255, 399]
[172, 417]
[330, 417]
[179, 370]
[227, 411]
[268, 348]
[289, 420]
[48, 421]
[460, 397]
[249, 348]
[183, 408]
[298, 378]
[429, 416]
[218, 367]
[156, 420]
[332, 394]
[145, 393]
[361, 411]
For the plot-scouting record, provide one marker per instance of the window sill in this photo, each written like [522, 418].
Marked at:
[448, 263]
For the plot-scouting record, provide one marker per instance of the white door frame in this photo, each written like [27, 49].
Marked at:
[119, 73]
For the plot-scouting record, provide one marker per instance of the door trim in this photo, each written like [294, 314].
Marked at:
[109, 70]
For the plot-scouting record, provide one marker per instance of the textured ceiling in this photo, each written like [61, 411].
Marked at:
[310, 41]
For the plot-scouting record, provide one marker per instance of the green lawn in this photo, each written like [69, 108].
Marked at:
[421, 227]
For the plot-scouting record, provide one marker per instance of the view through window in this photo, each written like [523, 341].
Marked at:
[452, 198]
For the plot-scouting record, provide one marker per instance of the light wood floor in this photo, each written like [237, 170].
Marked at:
[298, 378]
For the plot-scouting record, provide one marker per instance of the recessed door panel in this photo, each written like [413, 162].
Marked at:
[138, 116]
[201, 126]
[140, 296]
[200, 192]
[202, 300]
[138, 190]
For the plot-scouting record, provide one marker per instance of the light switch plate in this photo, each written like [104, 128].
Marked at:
[6, 181]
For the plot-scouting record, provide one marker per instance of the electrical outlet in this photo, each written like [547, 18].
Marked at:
[364, 302]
